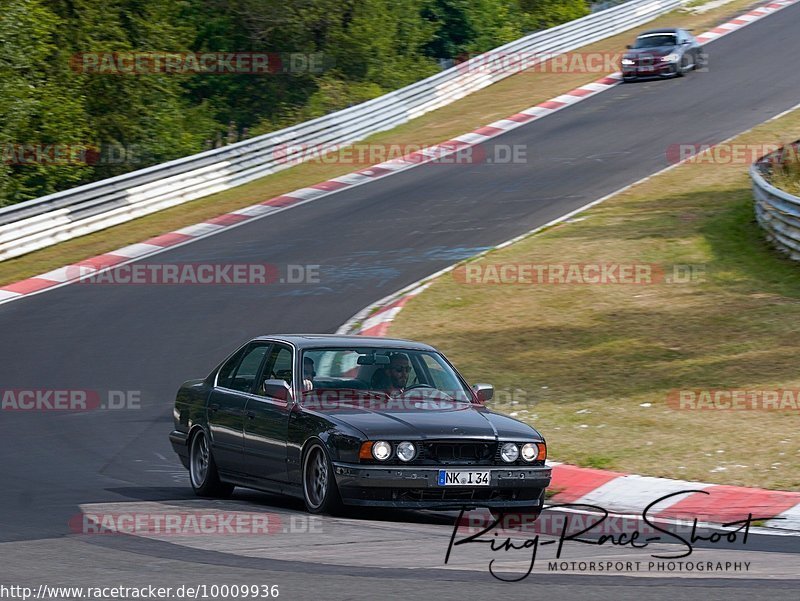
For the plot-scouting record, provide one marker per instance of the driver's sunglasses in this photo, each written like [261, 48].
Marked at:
[406, 368]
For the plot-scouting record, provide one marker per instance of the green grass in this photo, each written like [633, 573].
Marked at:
[592, 365]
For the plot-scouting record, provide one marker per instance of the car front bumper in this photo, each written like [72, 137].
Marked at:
[654, 70]
[418, 487]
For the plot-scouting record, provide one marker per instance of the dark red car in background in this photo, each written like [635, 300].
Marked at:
[662, 53]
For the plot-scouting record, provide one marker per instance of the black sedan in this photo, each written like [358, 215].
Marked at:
[351, 420]
[662, 53]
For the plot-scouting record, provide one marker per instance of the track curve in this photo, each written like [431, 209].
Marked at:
[369, 241]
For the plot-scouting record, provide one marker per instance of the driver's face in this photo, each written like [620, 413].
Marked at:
[398, 372]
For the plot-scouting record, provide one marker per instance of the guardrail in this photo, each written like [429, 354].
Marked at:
[777, 212]
[35, 224]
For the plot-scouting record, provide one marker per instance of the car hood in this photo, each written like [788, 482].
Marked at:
[655, 52]
[443, 421]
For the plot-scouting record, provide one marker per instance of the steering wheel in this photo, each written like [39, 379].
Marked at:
[413, 386]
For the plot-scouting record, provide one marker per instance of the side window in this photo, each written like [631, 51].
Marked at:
[225, 375]
[279, 365]
[245, 373]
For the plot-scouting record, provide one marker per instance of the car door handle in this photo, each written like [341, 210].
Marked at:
[213, 407]
[250, 414]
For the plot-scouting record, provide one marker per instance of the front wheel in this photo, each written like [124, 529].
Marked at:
[319, 484]
[203, 470]
[681, 67]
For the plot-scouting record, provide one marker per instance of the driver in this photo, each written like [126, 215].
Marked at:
[308, 374]
[393, 378]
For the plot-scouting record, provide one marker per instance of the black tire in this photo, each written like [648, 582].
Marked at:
[320, 492]
[203, 473]
[680, 68]
[698, 59]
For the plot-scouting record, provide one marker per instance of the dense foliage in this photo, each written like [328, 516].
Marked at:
[62, 124]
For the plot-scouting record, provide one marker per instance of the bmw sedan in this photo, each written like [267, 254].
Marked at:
[662, 53]
[352, 420]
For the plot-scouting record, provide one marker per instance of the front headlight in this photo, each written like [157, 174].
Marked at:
[530, 451]
[406, 451]
[381, 450]
[509, 452]
[670, 58]
[627, 62]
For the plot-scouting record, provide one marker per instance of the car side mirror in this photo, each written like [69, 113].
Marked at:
[629, 46]
[277, 389]
[484, 392]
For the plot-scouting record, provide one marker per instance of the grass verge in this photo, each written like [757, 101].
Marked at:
[592, 366]
[500, 100]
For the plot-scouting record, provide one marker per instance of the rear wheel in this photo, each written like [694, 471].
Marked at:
[203, 470]
[319, 485]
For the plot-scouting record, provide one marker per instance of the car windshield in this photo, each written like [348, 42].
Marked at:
[349, 374]
[654, 40]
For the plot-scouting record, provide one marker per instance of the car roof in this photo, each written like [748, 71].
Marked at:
[307, 341]
[662, 30]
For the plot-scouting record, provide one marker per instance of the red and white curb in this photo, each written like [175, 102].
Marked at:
[716, 504]
[135, 252]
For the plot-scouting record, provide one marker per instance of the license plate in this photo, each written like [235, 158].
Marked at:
[459, 478]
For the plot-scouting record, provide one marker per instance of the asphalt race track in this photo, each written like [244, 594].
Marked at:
[368, 241]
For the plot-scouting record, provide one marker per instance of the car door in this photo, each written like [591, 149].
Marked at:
[226, 405]
[266, 424]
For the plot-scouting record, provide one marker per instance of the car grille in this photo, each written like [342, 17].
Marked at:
[457, 453]
[645, 61]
